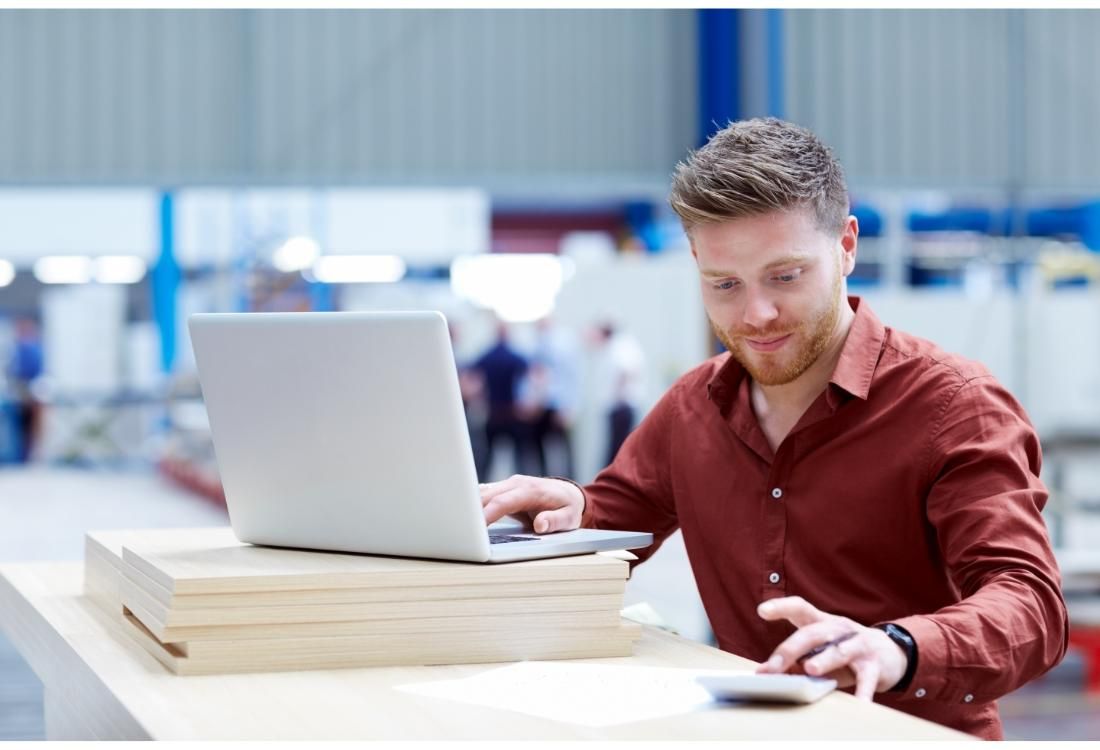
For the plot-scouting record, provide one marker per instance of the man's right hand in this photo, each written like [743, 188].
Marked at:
[552, 504]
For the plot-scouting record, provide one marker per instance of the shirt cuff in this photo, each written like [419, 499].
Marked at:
[932, 680]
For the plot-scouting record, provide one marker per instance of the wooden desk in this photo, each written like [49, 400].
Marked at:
[99, 685]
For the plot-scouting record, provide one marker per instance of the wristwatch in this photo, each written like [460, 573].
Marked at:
[900, 636]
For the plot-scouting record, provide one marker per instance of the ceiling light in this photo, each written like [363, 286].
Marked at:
[518, 287]
[358, 269]
[296, 254]
[63, 269]
[119, 269]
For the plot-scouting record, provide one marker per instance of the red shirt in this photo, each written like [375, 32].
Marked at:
[908, 492]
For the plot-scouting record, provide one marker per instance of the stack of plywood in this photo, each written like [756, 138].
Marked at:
[201, 602]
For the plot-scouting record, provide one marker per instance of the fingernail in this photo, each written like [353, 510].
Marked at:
[776, 662]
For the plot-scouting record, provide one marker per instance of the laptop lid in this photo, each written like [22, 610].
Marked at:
[341, 431]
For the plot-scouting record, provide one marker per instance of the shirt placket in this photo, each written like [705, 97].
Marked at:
[776, 497]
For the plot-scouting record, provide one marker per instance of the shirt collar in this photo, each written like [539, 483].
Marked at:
[858, 359]
[853, 372]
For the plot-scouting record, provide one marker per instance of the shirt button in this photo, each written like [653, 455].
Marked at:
[774, 578]
[777, 493]
[968, 698]
[921, 693]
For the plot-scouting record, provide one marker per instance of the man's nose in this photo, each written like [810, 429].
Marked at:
[760, 311]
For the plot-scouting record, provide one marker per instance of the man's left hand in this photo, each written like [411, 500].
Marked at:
[853, 653]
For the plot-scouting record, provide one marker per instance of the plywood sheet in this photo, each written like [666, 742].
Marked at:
[213, 561]
[254, 655]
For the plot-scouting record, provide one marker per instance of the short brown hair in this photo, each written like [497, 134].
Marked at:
[755, 166]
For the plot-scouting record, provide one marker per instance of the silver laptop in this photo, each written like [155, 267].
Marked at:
[345, 431]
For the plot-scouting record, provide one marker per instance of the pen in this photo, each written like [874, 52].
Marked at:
[818, 649]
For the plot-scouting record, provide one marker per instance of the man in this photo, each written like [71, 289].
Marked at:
[23, 369]
[839, 484]
[549, 396]
[619, 374]
[501, 369]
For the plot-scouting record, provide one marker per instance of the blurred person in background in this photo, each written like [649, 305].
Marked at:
[500, 369]
[24, 367]
[618, 378]
[549, 396]
[471, 388]
[856, 502]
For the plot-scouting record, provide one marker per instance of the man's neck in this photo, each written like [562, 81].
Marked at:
[797, 395]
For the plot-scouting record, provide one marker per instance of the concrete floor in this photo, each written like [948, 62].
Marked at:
[45, 512]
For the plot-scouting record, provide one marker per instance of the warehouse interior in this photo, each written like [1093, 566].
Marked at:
[510, 168]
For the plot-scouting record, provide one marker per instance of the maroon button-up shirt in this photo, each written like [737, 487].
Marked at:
[908, 492]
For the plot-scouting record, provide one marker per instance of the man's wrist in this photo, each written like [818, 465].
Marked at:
[584, 496]
[901, 637]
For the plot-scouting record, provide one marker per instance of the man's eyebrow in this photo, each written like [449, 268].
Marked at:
[789, 260]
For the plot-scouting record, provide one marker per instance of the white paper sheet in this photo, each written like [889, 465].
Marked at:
[592, 695]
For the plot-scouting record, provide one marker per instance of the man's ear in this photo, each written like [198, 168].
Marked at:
[849, 239]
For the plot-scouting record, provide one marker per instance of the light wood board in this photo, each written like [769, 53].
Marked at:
[340, 596]
[204, 561]
[421, 625]
[349, 652]
[132, 597]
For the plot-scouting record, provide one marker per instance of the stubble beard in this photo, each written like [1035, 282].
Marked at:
[816, 333]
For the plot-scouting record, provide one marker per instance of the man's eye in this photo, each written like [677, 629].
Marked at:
[725, 286]
[788, 276]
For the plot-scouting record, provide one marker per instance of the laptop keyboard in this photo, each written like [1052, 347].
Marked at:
[505, 538]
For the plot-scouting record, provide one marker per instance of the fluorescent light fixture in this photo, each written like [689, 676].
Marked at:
[358, 269]
[7, 272]
[296, 254]
[119, 269]
[63, 269]
[518, 287]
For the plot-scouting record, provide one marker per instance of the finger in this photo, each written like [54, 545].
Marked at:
[802, 640]
[508, 502]
[837, 657]
[562, 519]
[489, 490]
[867, 672]
[794, 608]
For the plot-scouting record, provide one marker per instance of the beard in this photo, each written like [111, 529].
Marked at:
[809, 340]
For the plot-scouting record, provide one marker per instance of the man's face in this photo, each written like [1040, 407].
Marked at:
[773, 286]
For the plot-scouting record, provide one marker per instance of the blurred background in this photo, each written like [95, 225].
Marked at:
[511, 168]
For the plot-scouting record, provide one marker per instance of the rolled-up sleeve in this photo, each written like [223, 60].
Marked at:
[985, 505]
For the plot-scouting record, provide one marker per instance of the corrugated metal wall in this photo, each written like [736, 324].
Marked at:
[904, 97]
[1062, 89]
[505, 98]
[344, 96]
[951, 98]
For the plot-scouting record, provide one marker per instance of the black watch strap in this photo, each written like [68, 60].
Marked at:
[900, 636]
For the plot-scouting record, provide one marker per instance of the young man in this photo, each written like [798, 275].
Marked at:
[839, 484]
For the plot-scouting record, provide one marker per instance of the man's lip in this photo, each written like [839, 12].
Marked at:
[769, 344]
[768, 341]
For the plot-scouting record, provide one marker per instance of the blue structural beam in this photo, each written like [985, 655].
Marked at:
[1082, 221]
[869, 218]
[166, 281]
[957, 219]
[719, 70]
